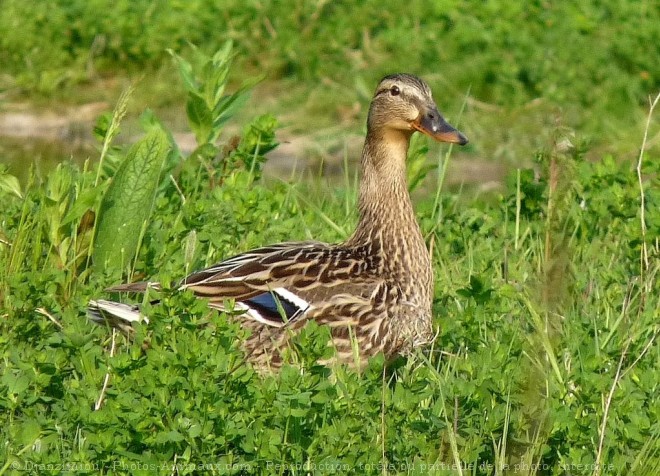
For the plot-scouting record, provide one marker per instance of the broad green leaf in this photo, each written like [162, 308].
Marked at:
[30, 431]
[148, 121]
[170, 436]
[85, 201]
[223, 55]
[9, 183]
[194, 431]
[200, 117]
[186, 72]
[16, 383]
[126, 205]
[228, 105]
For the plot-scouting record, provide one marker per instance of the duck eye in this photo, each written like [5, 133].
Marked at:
[395, 91]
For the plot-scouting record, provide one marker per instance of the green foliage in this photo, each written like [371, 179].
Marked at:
[528, 58]
[284, 38]
[207, 107]
[9, 183]
[541, 296]
[127, 203]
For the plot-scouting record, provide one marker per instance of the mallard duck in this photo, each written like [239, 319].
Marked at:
[374, 290]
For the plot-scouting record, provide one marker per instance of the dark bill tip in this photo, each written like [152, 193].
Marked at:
[452, 137]
[435, 126]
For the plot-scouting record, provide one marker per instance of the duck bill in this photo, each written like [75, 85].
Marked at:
[434, 125]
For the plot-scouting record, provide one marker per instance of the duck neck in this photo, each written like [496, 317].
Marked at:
[386, 215]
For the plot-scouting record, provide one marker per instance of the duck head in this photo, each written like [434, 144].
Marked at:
[404, 103]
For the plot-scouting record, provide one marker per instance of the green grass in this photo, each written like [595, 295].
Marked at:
[546, 296]
[525, 67]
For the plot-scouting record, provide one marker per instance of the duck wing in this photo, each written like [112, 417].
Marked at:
[278, 284]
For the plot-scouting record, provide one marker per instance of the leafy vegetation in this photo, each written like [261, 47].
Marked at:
[547, 297]
[523, 65]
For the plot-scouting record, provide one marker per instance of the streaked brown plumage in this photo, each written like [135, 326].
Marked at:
[374, 290]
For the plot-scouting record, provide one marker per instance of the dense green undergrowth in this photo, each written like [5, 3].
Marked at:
[591, 64]
[547, 298]
[532, 49]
